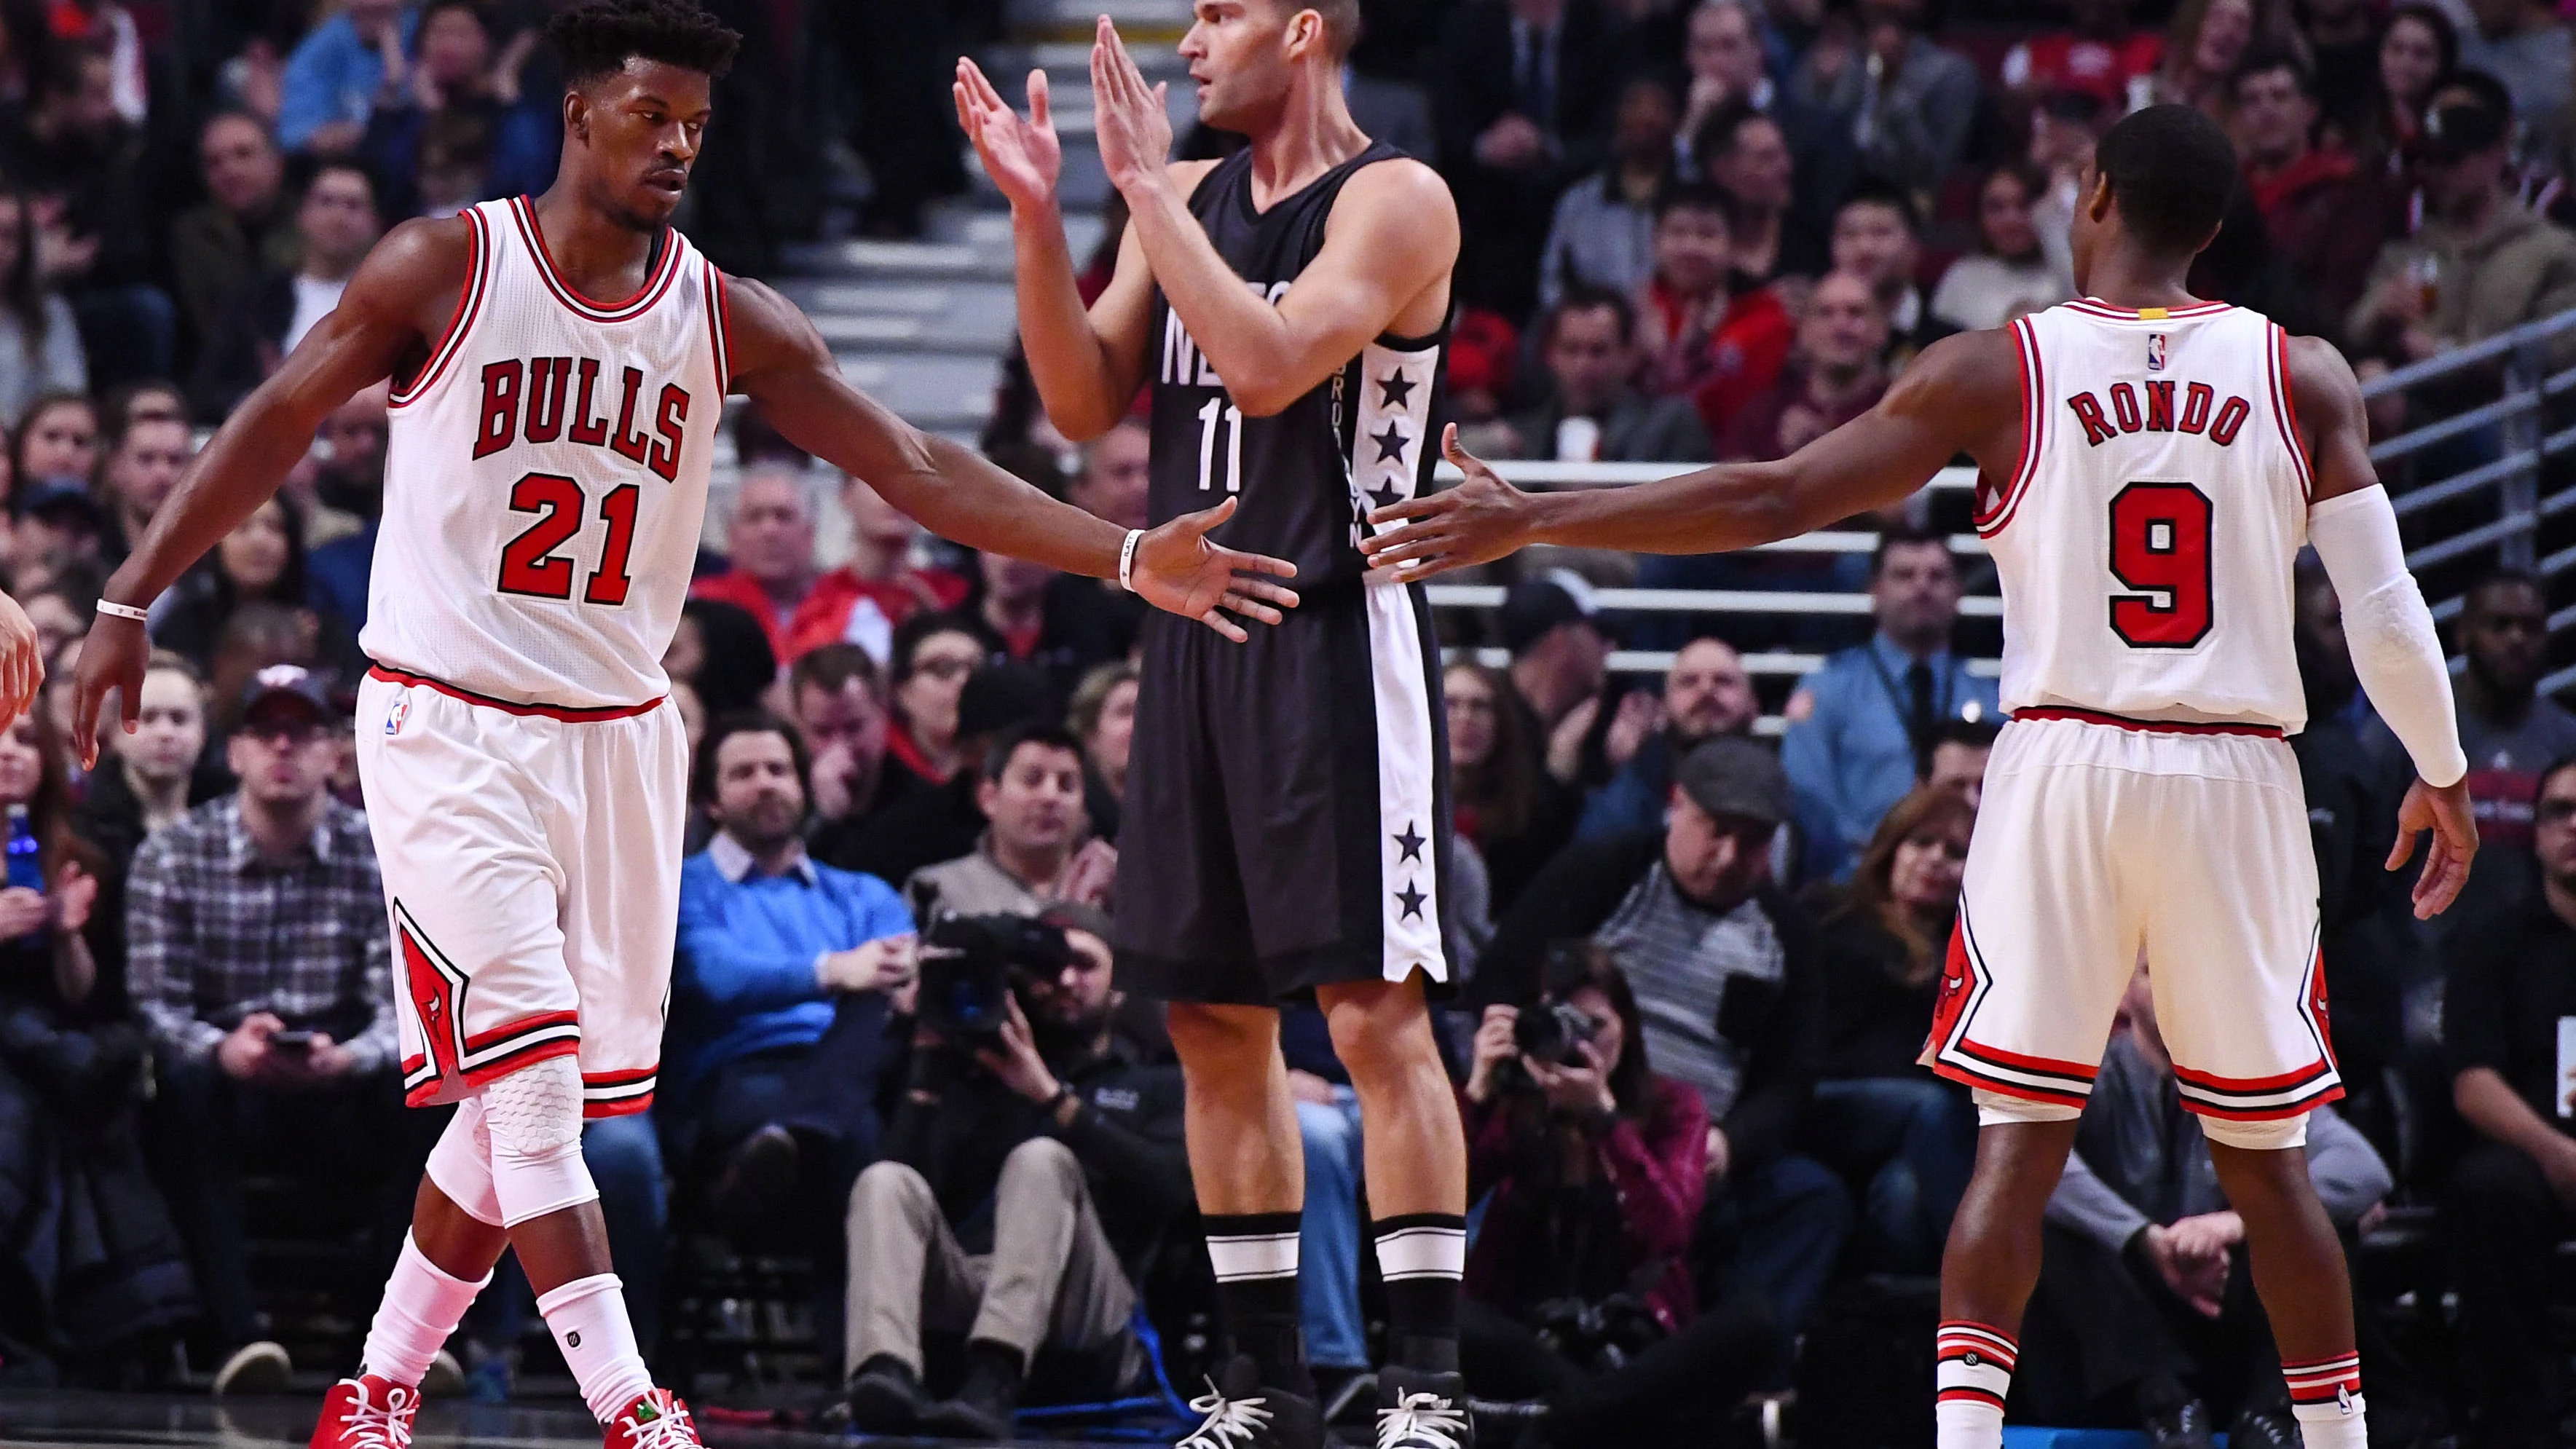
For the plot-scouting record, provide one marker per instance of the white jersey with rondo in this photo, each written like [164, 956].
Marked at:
[2143, 802]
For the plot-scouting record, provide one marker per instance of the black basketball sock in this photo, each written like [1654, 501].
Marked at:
[1420, 1257]
[1255, 1258]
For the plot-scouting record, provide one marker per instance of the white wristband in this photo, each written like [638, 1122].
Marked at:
[124, 611]
[1127, 559]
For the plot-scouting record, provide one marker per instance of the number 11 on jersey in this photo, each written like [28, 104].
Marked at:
[1221, 416]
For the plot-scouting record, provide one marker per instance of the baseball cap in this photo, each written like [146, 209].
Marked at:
[279, 682]
[1536, 607]
[2460, 128]
[1734, 776]
[59, 496]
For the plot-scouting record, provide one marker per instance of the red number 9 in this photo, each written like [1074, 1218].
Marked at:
[2160, 549]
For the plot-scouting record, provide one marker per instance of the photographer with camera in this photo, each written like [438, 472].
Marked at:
[1578, 1287]
[1031, 1167]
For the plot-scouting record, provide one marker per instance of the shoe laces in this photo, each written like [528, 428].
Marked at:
[1229, 1422]
[1421, 1420]
[668, 1428]
[373, 1425]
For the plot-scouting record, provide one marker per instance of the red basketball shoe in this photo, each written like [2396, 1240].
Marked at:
[366, 1412]
[656, 1420]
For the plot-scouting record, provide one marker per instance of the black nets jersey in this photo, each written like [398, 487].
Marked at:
[1305, 477]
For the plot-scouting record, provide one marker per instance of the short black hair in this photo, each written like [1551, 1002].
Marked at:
[1906, 537]
[2549, 772]
[598, 37]
[1037, 732]
[749, 722]
[2172, 172]
[1879, 191]
[2493, 94]
[1974, 734]
[1683, 194]
[2505, 576]
[830, 667]
[2268, 59]
[1581, 296]
[345, 166]
[1716, 135]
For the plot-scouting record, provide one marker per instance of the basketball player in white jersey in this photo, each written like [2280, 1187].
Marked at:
[2150, 467]
[524, 768]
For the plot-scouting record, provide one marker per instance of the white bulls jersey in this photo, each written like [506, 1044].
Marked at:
[546, 478]
[2145, 542]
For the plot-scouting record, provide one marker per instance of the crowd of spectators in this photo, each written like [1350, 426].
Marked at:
[1697, 966]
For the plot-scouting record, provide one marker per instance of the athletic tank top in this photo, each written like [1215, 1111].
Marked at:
[1305, 476]
[2145, 541]
[546, 477]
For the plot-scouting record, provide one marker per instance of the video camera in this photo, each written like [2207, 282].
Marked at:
[1552, 1029]
[971, 965]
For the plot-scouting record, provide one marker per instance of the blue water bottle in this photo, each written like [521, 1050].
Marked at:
[26, 867]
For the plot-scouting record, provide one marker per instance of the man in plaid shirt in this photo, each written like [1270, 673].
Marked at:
[259, 957]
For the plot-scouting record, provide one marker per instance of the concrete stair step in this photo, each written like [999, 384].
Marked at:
[930, 390]
[1074, 20]
[980, 247]
[964, 316]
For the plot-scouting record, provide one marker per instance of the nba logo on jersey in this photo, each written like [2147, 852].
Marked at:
[395, 716]
[2155, 352]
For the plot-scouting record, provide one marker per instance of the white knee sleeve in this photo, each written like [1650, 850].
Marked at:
[2278, 1135]
[461, 1164]
[533, 1116]
[1996, 1109]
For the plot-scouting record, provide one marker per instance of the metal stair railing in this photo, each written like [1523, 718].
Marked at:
[2517, 416]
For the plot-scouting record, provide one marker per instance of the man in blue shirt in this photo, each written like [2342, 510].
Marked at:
[335, 73]
[775, 953]
[1862, 728]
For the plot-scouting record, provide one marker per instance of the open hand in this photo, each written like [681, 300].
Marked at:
[1015, 1062]
[1023, 157]
[1178, 571]
[22, 662]
[2443, 810]
[111, 662]
[75, 892]
[1479, 521]
[1129, 120]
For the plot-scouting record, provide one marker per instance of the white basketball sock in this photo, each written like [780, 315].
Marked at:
[422, 1306]
[588, 1319]
[1973, 1367]
[2325, 1397]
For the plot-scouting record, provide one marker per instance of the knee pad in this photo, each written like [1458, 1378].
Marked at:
[1996, 1109]
[534, 1118]
[461, 1164]
[2278, 1135]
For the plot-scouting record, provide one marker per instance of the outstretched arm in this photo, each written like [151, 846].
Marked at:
[1087, 362]
[1393, 238]
[404, 292]
[782, 365]
[2396, 652]
[1963, 395]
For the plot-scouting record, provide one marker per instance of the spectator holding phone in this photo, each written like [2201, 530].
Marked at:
[259, 958]
[86, 1242]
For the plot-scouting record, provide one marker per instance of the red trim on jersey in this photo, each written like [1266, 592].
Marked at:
[469, 305]
[483, 1076]
[2034, 430]
[595, 1107]
[2091, 308]
[483, 1039]
[719, 324]
[2249, 1086]
[565, 292]
[2151, 726]
[566, 713]
[2331, 1092]
[2038, 1066]
[2285, 412]
[1970, 1077]
[1965, 1394]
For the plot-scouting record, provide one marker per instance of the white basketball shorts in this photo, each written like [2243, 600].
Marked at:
[2099, 837]
[531, 859]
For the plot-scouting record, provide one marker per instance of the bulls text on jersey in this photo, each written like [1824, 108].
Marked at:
[560, 397]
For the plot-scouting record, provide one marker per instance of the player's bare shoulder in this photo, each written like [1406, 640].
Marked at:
[1969, 385]
[419, 272]
[1399, 198]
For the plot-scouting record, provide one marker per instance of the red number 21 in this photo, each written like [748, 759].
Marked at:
[2160, 549]
[528, 562]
